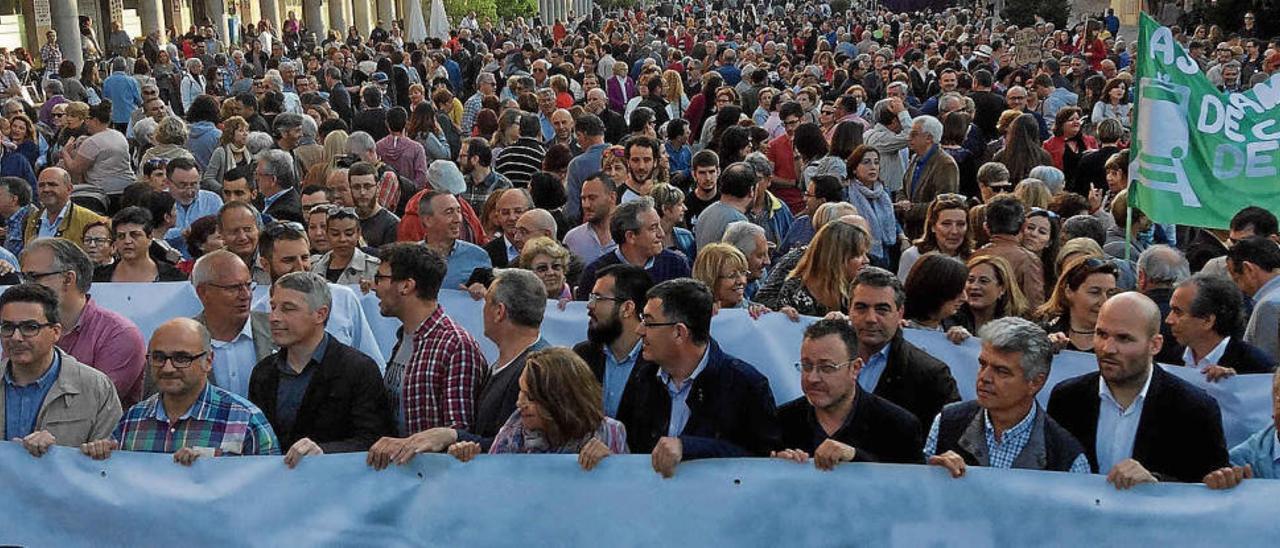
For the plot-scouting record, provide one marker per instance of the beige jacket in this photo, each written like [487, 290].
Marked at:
[81, 406]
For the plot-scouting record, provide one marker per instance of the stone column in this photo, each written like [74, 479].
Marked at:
[271, 12]
[386, 13]
[217, 10]
[360, 14]
[66, 22]
[338, 17]
[313, 18]
[151, 14]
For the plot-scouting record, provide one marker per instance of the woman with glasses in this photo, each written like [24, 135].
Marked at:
[820, 281]
[559, 409]
[868, 194]
[991, 292]
[948, 232]
[345, 263]
[97, 244]
[131, 238]
[1071, 313]
[724, 270]
[549, 261]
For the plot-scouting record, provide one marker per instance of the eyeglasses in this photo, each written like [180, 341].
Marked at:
[96, 241]
[59, 114]
[593, 298]
[236, 288]
[28, 328]
[340, 212]
[824, 369]
[180, 360]
[648, 322]
[544, 268]
[32, 277]
[792, 122]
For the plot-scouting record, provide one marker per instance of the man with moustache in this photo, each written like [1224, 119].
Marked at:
[642, 163]
[612, 348]
[836, 421]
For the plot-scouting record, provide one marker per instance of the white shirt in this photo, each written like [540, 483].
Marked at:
[233, 361]
[1212, 358]
[347, 322]
[1117, 427]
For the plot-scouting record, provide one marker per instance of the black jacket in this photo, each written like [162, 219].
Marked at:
[615, 126]
[497, 250]
[916, 381]
[340, 99]
[1171, 351]
[287, 207]
[593, 354]
[732, 413]
[372, 121]
[345, 407]
[1179, 435]
[1246, 358]
[1091, 172]
[497, 400]
[878, 429]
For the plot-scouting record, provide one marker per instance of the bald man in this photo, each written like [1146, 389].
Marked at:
[562, 123]
[57, 217]
[1138, 424]
[535, 223]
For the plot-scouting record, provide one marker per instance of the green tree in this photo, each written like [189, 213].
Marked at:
[457, 9]
[1024, 12]
[509, 9]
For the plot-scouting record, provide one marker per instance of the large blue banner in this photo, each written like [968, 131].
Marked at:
[134, 499]
[771, 343]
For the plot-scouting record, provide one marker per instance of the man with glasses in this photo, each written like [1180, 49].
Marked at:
[1016, 98]
[693, 400]
[612, 348]
[189, 416]
[241, 338]
[377, 224]
[836, 421]
[57, 216]
[1005, 427]
[96, 336]
[191, 201]
[50, 397]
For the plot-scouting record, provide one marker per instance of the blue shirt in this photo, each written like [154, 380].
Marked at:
[680, 394]
[616, 374]
[125, 95]
[233, 361]
[1117, 427]
[915, 175]
[293, 387]
[581, 167]
[49, 229]
[22, 403]
[548, 130]
[16, 224]
[1262, 451]
[680, 159]
[583, 241]
[873, 369]
[1003, 452]
[464, 258]
[206, 203]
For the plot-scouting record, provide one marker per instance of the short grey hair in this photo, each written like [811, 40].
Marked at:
[144, 130]
[522, 293]
[312, 285]
[1052, 177]
[272, 77]
[743, 235]
[626, 218]
[259, 141]
[1162, 264]
[67, 257]
[171, 131]
[929, 125]
[760, 163]
[190, 63]
[52, 87]
[1014, 334]
[279, 164]
[202, 271]
[359, 143]
[287, 120]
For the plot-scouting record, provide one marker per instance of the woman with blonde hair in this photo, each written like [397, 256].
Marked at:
[782, 266]
[820, 281]
[991, 292]
[1071, 313]
[673, 92]
[559, 409]
[549, 261]
[335, 144]
[724, 269]
[231, 153]
[1032, 193]
[669, 201]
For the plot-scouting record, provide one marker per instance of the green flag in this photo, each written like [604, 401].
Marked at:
[1199, 155]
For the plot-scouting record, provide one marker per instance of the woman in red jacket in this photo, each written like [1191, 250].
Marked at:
[1068, 143]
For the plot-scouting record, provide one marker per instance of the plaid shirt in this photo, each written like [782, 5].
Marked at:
[219, 420]
[1005, 450]
[442, 380]
[469, 111]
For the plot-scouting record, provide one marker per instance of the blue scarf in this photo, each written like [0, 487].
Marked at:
[875, 205]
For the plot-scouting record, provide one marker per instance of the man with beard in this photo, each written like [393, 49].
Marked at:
[642, 163]
[590, 239]
[612, 348]
[377, 224]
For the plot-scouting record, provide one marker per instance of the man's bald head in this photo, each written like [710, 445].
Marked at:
[1132, 304]
[55, 173]
[181, 331]
[533, 224]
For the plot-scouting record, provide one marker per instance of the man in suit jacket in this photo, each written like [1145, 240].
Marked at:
[1204, 315]
[612, 348]
[321, 396]
[836, 421]
[510, 206]
[694, 400]
[277, 181]
[48, 397]
[893, 368]
[931, 172]
[1254, 264]
[1138, 424]
[339, 97]
[241, 338]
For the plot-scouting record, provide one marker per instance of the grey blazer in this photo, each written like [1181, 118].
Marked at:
[81, 406]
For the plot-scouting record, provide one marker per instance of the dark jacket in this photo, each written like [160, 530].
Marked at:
[731, 407]
[372, 121]
[1203, 248]
[1171, 351]
[593, 354]
[1091, 172]
[497, 400]
[345, 407]
[963, 430]
[1246, 358]
[1179, 435]
[916, 381]
[878, 429]
[615, 126]
[287, 207]
[165, 272]
[340, 99]
[497, 250]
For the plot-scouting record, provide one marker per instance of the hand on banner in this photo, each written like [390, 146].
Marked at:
[958, 334]
[794, 455]
[301, 448]
[186, 456]
[402, 450]
[592, 453]
[1215, 373]
[950, 460]
[1128, 473]
[465, 450]
[100, 449]
[37, 443]
[1228, 477]
[831, 452]
[666, 455]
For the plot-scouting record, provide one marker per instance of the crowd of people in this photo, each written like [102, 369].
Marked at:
[879, 171]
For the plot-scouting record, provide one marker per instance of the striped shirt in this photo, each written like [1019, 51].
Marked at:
[520, 160]
[441, 382]
[218, 420]
[469, 111]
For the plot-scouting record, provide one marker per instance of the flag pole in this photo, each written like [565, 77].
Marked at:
[1128, 231]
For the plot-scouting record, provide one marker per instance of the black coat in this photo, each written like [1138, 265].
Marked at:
[1179, 435]
[287, 207]
[1246, 358]
[340, 99]
[878, 429]
[1091, 172]
[372, 121]
[593, 354]
[345, 407]
[916, 381]
[1171, 351]
[732, 413]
